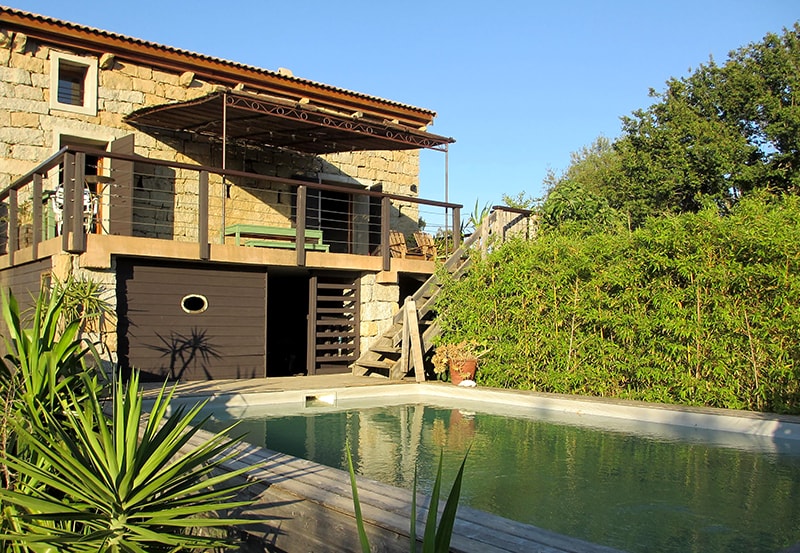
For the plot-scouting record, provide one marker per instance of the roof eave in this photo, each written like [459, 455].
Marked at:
[208, 68]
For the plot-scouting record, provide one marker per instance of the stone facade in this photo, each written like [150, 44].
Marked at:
[379, 303]
[32, 129]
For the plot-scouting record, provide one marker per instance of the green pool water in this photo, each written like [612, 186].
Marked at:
[639, 488]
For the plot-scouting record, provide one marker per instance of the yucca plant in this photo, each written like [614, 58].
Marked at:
[117, 490]
[436, 538]
[45, 357]
[83, 301]
[79, 479]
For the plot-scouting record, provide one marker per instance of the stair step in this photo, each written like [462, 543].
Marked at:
[375, 364]
[386, 350]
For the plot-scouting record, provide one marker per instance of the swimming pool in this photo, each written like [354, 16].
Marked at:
[625, 475]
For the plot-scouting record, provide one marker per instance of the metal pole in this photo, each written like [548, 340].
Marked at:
[446, 193]
[224, 161]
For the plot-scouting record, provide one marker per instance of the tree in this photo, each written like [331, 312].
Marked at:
[717, 134]
[763, 96]
[680, 150]
[595, 167]
[578, 200]
[721, 132]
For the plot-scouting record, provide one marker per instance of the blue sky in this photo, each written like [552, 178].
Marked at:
[518, 84]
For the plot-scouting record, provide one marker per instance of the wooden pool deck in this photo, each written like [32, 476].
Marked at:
[212, 388]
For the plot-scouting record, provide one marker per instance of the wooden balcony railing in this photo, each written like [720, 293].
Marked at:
[80, 191]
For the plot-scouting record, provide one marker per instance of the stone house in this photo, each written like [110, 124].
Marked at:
[237, 218]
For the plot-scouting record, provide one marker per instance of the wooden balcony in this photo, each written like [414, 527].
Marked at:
[99, 204]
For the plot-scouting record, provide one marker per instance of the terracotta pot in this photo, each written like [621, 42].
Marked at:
[462, 369]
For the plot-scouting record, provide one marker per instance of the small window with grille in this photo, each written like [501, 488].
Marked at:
[73, 83]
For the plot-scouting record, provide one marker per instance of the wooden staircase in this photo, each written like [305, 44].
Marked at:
[384, 355]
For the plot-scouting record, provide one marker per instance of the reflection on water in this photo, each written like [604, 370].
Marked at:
[666, 489]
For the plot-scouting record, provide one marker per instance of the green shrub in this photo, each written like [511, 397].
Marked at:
[695, 309]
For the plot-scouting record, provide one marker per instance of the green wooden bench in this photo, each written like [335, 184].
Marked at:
[285, 245]
[274, 237]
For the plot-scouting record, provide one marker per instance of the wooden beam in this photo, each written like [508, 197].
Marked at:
[300, 224]
[405, 349]
[202, 216]
[13, 225]
[456, 228]
[385, 214]
[76, 186]
[412, 323]
[37, 213]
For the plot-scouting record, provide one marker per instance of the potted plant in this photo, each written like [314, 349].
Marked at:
[459, 360]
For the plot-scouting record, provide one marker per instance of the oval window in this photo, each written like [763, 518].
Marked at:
[194, 303]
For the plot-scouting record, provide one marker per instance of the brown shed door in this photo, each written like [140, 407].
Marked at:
[191, 322]
[25, 282]
[333, 324]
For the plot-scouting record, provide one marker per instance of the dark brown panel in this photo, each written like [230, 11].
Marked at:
[121, 196]
[24, 281]
[225, 340]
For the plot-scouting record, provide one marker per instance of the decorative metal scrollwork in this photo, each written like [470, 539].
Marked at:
[330, 121]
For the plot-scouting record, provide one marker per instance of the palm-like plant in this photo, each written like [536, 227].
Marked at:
[78, 480]
[119, 490]
[43, 360]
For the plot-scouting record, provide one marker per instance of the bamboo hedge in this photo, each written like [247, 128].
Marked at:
[697, 309]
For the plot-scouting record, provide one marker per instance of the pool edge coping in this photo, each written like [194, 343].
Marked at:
[709, 418]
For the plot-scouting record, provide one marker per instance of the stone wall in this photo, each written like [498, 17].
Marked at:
[30, 128]
[379, 303]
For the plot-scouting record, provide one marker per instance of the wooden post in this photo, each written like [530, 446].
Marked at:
[76, 186]
[385, 215]
[300, 230]
[405, 345]
[411, 322]
[202, 216]
[13, 225]
[456, 228]
[37, 213]
[68, 172]
[311, 330]
[484, 236]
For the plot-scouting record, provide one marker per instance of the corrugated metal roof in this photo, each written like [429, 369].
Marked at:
[300, 127]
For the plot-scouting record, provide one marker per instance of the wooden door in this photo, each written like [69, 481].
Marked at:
[333, 323]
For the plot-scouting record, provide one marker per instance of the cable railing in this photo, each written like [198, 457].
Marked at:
[79, 191]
